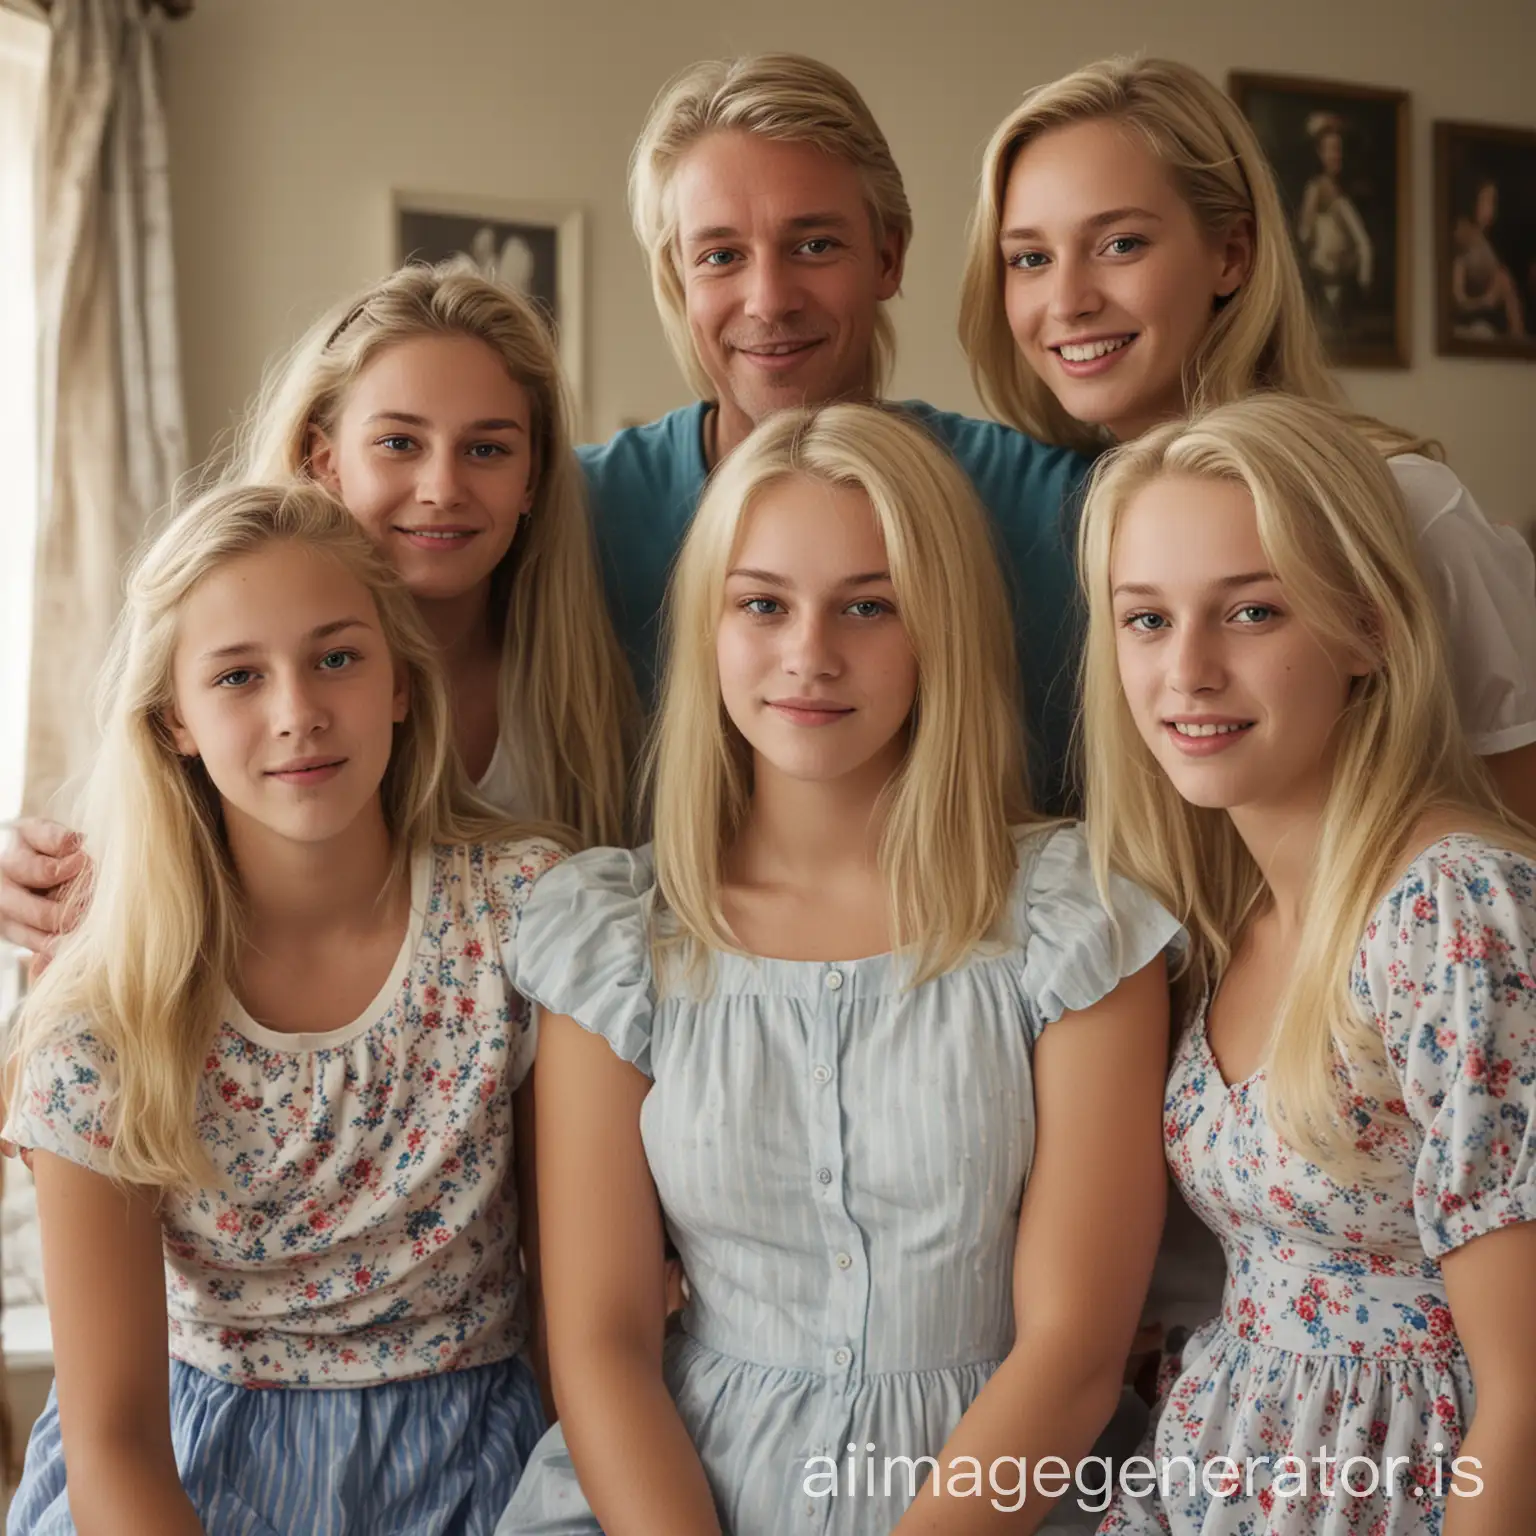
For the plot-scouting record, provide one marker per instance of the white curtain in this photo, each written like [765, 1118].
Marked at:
[109, 398]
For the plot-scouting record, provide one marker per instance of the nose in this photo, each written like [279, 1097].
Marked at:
[1195, 663]
[1074, 289]
[773, 290]
[810, 648]
[298, 711]
[440, 481]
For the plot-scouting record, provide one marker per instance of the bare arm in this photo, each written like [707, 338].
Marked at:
[1514, 775]
[38, 862]
[1491, 1283]
[601, 1237]
[105, 1278]
[1088, 1234]
[524, 1148]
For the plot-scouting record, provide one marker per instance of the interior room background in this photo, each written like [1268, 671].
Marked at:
[291, 125]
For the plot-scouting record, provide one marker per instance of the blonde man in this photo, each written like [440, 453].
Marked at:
[776, 226]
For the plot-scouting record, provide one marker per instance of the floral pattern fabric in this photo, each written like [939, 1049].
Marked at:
[1336, 1337]
[364, 1224]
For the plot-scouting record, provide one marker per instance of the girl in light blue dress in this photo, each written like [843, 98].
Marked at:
[857, 1031]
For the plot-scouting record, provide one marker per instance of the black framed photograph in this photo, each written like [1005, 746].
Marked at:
[534, 247]
[1341, 156]
[1485, 240]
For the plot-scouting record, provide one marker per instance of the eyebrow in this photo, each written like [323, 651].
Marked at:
[771, 579]
[1098, 221]
[1225, 584]
[485, 424]
[320, 632]
[800, 223]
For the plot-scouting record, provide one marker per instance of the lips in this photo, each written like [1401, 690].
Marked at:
[308, 770]
[810, 711]
[777, 356]
[1091, 351]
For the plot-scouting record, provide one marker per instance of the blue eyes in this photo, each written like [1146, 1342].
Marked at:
[771, 607]
[1250, 614]
[819, 245]
[399, 442]
[1033, 261]
[240, 677]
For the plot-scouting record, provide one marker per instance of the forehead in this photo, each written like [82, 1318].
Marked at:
[438, 377]
[732, 179]
[1073, 172]
[810, 531]
[1180, 532]
[270, 595]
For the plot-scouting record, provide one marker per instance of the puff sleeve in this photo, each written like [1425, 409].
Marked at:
[1447, 972]
[1076, 951]
[62, 1103]
[584, 947]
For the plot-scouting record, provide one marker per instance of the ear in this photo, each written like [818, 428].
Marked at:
[1235, 251]
[181, 737]
[320, 455]
[891, 257]
[402, 696]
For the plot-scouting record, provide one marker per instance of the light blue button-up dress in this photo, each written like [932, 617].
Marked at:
[840, 1161]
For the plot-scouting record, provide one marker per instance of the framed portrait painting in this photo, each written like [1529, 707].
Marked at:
[536, 248]
[1485, 240]
[1341, 154]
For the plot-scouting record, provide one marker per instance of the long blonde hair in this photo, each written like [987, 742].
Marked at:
[1262, 337]
[568, 713]
[1337, 537]
[783, 96]
[945, 848]
[158, 943]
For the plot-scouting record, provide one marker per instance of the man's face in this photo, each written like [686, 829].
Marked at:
[782, 273]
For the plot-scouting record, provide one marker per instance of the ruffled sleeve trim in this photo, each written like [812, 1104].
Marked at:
[583, 947]
[1075, 951]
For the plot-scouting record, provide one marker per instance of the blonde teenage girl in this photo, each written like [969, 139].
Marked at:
[1130, 260]
[267, 1083]
[1272, 749]
[827, 1033]
[432, 404]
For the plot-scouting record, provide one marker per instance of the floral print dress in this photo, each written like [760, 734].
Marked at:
[1335, 1337]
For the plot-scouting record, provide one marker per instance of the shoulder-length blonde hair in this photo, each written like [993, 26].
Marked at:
[783, 96]
[945, 847]
[158, 942]
[568, 714]
[1262, 337]
[1337, 537]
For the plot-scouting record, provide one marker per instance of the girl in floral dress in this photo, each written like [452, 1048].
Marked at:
[268, 1082]
[1273, 749]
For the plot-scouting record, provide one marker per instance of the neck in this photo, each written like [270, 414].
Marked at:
[294, 889]
[804, 832]
[727, 426]
[1283, 841]
[462, 627]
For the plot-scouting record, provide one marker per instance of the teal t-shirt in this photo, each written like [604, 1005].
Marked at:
[645, 482]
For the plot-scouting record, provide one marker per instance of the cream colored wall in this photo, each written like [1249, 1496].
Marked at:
[291, 120]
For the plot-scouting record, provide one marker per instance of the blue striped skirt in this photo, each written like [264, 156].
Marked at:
[437, 1456]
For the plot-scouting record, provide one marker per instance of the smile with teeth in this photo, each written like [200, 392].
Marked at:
[1087, 351]
[1190, 729]
[779, 348]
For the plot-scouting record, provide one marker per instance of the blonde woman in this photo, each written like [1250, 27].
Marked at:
[1273, 751]
[432, 405]
[1130, 260]
[268, 1081]
[826, 1032]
